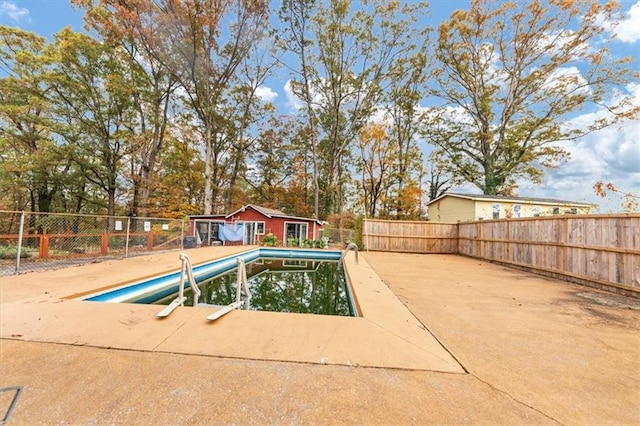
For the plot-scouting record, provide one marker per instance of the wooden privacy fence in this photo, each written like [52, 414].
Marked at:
[589, 249]
[410, 237]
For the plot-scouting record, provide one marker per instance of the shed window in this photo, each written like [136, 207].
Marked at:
[259, 228]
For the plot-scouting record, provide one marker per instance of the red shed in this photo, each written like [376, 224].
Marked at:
[249, 224]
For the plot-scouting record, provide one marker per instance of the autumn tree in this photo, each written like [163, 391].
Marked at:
[152, 92]
[200, 43]
[91, 96]
[179, 189]
[629, 202]
[297, 40]
[345, 62]
[248, 110]
[406, 119]
[375, 163]
[273, 161]
[296, 191]
[32, 165]
[357, 51]
[511, 75]
[380, 161]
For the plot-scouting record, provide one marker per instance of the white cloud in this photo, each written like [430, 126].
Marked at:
[294, 101]
[266, 94]
[13, 12]
[628, 30]
[609, 155]
[567, 80]
[448, 114]
[562, 42]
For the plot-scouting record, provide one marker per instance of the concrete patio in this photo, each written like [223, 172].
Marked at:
[443, 339]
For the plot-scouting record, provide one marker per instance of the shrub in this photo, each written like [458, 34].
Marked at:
[12, 252]
[270, 240]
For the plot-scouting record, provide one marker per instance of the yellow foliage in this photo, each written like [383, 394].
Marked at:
[629, 202]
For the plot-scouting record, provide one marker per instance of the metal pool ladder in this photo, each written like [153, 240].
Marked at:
[187, 270]
[241, 285]
[350, 246]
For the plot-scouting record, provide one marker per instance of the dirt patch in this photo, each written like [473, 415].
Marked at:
[606, 308]
[610, 299]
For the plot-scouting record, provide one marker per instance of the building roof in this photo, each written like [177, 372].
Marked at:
[265, 211]
[525, 200]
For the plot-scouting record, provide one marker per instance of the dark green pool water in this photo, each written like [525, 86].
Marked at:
[282, 285]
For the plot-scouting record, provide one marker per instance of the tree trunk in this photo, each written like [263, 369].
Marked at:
[208, 175]
[490, 184]
[237, 163]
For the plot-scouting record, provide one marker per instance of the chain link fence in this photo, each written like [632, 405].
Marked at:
[37, 241]
[338, 236]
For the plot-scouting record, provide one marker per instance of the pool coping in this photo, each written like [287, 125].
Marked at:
[166, 286]
[387, 335]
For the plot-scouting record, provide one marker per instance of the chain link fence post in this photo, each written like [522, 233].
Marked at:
[126, 244]
[19, 249]
[182, 235]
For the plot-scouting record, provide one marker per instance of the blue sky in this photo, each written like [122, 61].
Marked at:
[611, 155]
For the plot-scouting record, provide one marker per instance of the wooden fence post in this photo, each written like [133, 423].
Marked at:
[508, 238]
[150, 241]
[44, 245]
[565, 245]
[104, 243]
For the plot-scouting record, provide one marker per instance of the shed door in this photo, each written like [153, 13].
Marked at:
[250, 233]
[296, 233]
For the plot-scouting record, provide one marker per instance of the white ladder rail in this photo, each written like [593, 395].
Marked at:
[186, 269]
[241, 284]
[350, 246]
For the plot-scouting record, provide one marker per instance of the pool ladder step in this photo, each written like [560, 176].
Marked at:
[186, 269]
[241, 285]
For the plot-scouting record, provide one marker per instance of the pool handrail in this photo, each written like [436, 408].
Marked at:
[350, 246]
[185, 269]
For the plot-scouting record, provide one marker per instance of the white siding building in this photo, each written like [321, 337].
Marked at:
[453, 208]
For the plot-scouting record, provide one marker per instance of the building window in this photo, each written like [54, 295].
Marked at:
[295, 233]
[536, 211]
[259, 228]
[496, 211]
[574, 211]
[517, 210]
[556, 210]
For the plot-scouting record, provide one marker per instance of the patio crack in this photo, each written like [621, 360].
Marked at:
[421, 347]
[168, 336]
[516, 400]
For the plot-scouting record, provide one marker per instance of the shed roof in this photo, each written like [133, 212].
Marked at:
[265, 211]
[527, 200]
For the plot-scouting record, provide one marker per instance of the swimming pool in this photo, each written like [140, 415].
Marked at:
[283, 280]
